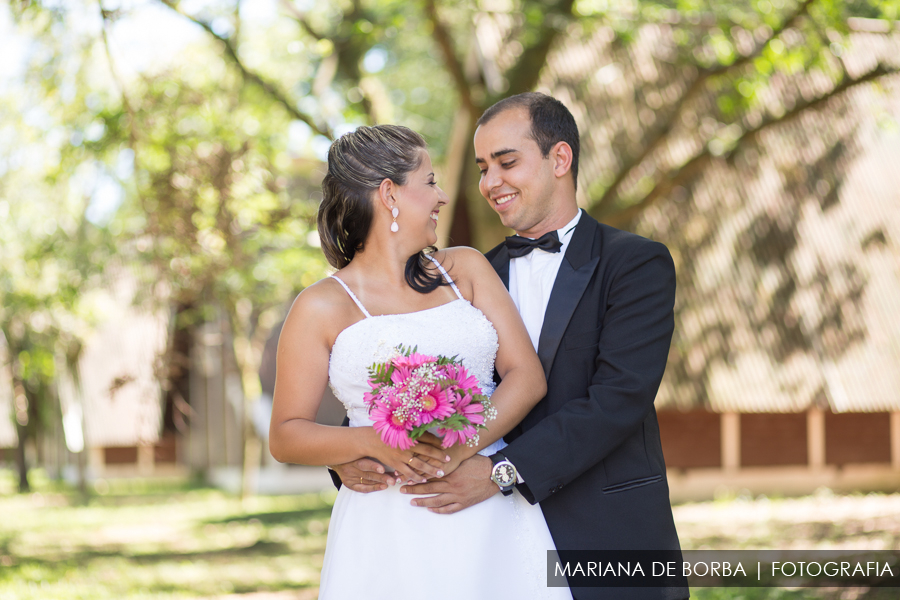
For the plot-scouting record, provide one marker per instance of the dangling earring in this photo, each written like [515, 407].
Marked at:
[394, 212]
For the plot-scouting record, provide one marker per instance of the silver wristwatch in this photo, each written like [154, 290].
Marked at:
[503, 473]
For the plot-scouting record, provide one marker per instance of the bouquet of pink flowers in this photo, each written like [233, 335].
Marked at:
[412, 393]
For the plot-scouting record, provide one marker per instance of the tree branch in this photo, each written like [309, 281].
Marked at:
[610, 195]
[301, 19]
[249, 76]
[880, 70]
[523, 76]
[126, 103]
[451, 60]
[681, 174]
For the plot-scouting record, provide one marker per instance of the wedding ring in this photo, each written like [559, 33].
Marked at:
[360, 480]
[409, 462]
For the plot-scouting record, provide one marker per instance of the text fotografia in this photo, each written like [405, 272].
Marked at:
[724, 568]
[846, 569]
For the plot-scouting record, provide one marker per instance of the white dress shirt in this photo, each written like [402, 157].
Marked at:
[531, 279]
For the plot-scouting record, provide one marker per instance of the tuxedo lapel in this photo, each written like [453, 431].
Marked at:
[500, 262]
[575, 272]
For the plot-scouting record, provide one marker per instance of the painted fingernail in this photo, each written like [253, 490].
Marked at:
[440, 473]
[446, 459]
[399, 482]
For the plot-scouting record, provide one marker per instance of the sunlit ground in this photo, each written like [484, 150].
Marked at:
[169, 539]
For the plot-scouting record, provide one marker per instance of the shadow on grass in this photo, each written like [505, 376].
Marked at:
[287, 517]
[160, 588]
[83, 558]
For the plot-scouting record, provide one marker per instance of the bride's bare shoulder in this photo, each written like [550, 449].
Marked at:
[464, 256]
[323, 306]
[468, 267]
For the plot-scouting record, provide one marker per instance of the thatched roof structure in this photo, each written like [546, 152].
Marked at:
[787, 249]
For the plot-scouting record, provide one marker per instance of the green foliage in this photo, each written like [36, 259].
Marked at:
[54, 172]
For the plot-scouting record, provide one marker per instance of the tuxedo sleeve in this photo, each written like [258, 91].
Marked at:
[636, 331]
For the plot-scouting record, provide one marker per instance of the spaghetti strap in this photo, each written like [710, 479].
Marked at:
[446, 275]
[352, 295]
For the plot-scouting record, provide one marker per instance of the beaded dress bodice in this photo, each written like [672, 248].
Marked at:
[453, 329]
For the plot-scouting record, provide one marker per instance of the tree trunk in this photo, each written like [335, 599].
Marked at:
[247, 344]
[21, 459]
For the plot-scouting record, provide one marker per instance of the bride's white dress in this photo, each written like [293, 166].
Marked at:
[379, 545]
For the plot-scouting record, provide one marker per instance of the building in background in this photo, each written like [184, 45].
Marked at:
[783, 375]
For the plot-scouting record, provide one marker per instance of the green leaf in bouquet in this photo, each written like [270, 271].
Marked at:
[406, 350]
[443, 360]
[416, 432]
[455, 422]
[381, 374]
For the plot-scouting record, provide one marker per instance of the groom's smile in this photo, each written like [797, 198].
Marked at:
[504, 199]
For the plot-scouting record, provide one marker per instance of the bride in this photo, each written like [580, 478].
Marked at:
[380, 207]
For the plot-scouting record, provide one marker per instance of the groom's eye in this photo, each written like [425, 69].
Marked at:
[507, 165]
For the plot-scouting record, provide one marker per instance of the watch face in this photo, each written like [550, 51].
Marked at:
[504, 474]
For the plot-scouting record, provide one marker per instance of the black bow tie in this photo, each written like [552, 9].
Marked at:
[520, 246]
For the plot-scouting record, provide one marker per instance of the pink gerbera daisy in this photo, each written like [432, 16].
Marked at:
[400, 374]
[392, 426]
[436, 405]
[456, 436]
[461, 375]
[413, 360]
[470, 410]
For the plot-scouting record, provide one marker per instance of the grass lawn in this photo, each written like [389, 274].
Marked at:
[154, 539]
[158, 540]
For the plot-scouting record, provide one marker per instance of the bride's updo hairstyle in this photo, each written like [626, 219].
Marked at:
[357, 164]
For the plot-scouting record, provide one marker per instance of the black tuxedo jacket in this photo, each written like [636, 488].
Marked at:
[590, 451]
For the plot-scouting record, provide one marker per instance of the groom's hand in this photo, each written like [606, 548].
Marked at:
[466, 486]
[365, 475]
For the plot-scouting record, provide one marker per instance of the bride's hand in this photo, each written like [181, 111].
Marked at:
[416, 464]
[457, 453]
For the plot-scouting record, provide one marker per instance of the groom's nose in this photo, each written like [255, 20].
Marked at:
[489, 181]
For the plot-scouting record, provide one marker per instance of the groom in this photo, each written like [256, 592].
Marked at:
[598, 305]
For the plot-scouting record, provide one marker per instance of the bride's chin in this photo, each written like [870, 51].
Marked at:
[430, 237]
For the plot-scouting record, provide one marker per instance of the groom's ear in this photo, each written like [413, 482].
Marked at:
[386, 193]
[561, 155]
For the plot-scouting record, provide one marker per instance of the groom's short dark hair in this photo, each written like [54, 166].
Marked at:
[551, 122]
